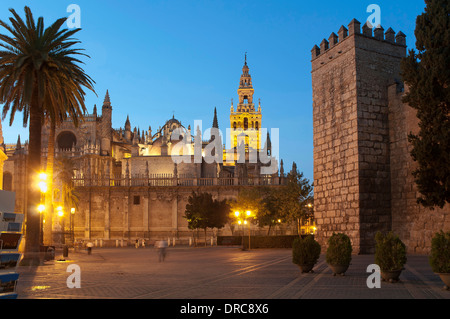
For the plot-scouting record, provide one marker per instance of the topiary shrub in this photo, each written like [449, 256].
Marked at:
[305, 251]
[390, 252]
[339, 251]
[440, 252]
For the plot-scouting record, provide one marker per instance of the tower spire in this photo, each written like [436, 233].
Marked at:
[127, 124]
[18, 145]
[106, 100]
[215, 122]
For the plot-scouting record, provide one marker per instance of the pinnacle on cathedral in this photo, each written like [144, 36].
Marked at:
[127, 124]
[107, 101]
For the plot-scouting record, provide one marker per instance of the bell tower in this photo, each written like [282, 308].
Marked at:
[245, 90]
[245, 123]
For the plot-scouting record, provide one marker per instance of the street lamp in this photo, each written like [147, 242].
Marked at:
[244, 221]
[41, 208]
[42, 184]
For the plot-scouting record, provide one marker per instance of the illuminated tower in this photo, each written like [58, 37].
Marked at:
[245, 123]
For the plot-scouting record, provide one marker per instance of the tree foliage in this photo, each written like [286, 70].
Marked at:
[427, 74]
[295, 196]
[202, 211]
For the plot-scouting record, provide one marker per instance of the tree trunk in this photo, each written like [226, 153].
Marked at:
[32, 230]
[49, 196]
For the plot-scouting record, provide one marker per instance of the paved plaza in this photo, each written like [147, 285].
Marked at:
[217, 273]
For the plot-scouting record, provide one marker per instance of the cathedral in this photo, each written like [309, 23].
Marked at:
[134, 183]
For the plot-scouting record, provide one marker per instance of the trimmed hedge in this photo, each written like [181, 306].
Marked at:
[284, 241]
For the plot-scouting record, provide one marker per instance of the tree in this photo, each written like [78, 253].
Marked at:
[203, 212]
[270, 215]
[39, 76]
[427, 74]
[295, 197]
[262, 201]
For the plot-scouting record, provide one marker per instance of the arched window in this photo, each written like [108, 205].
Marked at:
[234, 126]
[257, 125]
[66, 140]
[245, 123]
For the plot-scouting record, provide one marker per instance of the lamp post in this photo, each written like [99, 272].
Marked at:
[42, 184]
[60, 213]
[41, 210]
[248, 213]
[72, 226]
[246, 221]
[239, 221]
[311, 227]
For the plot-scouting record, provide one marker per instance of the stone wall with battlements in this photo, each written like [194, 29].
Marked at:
[350, 75]
[362, 164]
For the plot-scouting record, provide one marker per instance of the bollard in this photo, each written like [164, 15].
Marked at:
[65, 251]
[212, 241]
[117, 243]
[173, 241]
[190, 241]
[168, 241]
[89, 247]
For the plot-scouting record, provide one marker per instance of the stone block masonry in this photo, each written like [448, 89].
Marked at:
[351, 73]
[413, 223]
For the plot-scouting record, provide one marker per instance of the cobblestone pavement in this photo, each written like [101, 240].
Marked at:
[217, 273]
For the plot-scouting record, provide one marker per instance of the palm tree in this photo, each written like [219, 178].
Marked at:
[39, 76]
[49, 198]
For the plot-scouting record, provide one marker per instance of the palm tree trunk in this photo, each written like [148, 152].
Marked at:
[49, 196]
[32, 230]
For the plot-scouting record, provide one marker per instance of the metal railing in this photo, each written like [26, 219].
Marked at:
[164, 180]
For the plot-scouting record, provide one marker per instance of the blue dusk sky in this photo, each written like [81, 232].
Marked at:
[184, 57]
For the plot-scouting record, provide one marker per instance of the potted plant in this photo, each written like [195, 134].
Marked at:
[440, 256]
[305, 253]
[339, 253]
[390, 256]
